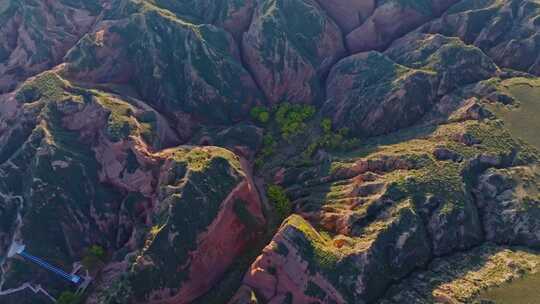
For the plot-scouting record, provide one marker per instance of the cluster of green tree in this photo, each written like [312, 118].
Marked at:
[286, 120]
[290, 118]
[93, 259]
[283, 121]
[331, 140]
[269, 145]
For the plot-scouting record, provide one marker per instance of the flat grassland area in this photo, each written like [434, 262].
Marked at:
[523, 121]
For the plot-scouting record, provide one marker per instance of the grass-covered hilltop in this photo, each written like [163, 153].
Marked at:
[269, 151]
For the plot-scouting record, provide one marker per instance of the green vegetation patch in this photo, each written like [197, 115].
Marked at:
[199, 158]
[124, 119]
[121, 122]
[291, 118]
[440, 179]
[315, 248]
[260, 114]
[94, 258]
[279, 200]
[119, 292]
[68, 297]
[520, 291]
[331, 140]
[48, 86]
[522, 121]
[284, 124]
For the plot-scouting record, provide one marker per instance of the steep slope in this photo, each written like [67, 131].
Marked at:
[35, 35]
[507, 31]
[78, 169]
[349, 14]
[208, 213]
[374, 219]
[392, 19]
[461, 276]
[364, 90]
[289, 47]
[191, 71]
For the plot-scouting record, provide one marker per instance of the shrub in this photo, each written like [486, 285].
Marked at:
[269, 143]
[264, 117]
[330, 140]
[279, 199]
[244, 215]
[291, 118]
[94, 257]
[326, 125]
[259, 162]
[68, 297]
[97, 251]
[120, 292]
[260, 114]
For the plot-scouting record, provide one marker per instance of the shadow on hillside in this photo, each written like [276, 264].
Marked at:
[372, 144]
[450, 278]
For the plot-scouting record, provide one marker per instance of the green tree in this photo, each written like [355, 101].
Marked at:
[97, 251]
[279, 199]
[326, 125]
[260, 114]
[291, 119]
[264, 117]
